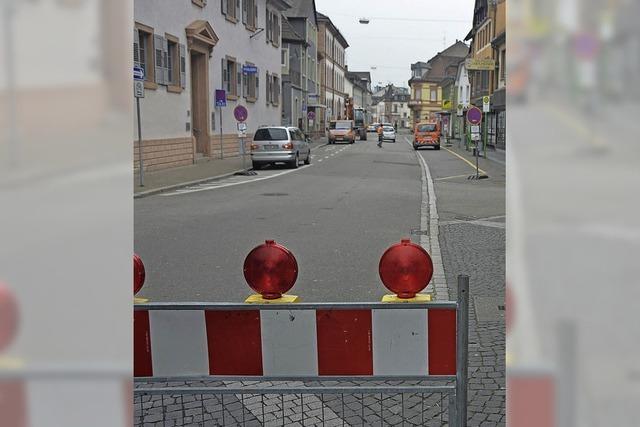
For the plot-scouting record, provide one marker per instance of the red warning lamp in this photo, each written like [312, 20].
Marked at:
[406, 269]
[8, 316]
[271, 270]
[138, 274]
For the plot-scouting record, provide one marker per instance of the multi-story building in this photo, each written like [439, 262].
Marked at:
[426, 77]
[487, 53]
[331, 56]
[360, 88]
[302, 19]
[293, 95]
[392, 106]
[498, 101]
[190, 49]
[462, 86]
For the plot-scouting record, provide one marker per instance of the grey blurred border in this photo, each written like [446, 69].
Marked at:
[573, 229]
[66, 209]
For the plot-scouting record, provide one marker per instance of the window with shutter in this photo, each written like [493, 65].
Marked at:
[175, 64]
[277, 30]
[255, 15]
[244, 11]
[158, 46]
[136, 48]
[238, 12]
[245, 85]
[223, 5]
[267, 26]
[224, 75]
[165, 60]
[183, 66]
[268, 88]
[146, 57]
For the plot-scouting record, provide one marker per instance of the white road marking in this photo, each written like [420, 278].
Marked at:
[237, 180]
[231, 184]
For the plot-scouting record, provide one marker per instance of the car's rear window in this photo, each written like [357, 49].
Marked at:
[340, 125]
[270, 134]
[426, 128]
[387, 128]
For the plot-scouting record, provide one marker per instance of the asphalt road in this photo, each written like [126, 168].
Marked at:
[337, 216]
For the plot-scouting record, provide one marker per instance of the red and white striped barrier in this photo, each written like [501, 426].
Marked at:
[297, 342]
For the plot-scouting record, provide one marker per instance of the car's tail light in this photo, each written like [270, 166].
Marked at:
[254, 147]
[288, 146]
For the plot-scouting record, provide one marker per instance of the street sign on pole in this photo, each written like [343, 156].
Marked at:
[221, 98]
[460, 110]
[138, 73]
[242, 130]
[486, 104]
[240, 113]
[138, 88]
[474, 116]
[311, 115]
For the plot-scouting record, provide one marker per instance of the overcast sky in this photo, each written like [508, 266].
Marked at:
[400, 32]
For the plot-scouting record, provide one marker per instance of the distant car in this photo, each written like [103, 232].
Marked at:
[388, 133]
[427, 135]
[373, 127]
[279, 144]
[341, 130]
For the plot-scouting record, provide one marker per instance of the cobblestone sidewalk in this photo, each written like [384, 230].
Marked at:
[408, 409]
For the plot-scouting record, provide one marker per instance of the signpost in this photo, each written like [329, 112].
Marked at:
[486, 107]
[241, 114]
[221, 101]
[138, 92]
[474, 117]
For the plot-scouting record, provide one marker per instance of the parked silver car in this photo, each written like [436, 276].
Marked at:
[279, 144]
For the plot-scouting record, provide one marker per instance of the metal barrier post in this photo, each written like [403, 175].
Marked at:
[462, 352]
[453, 413]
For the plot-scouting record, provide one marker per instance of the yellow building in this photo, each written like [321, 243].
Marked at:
[426, 77]
[486, 65]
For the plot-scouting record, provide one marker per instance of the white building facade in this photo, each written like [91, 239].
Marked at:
[331, 55]
[190, 49]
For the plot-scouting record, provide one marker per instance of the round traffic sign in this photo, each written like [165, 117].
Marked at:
[240, 113]
[474, 116]
[406, 268]
[311, 115]
[270, 269]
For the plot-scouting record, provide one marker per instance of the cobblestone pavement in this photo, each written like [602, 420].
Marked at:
[476, 250]
[472, 241]
[408, 409]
